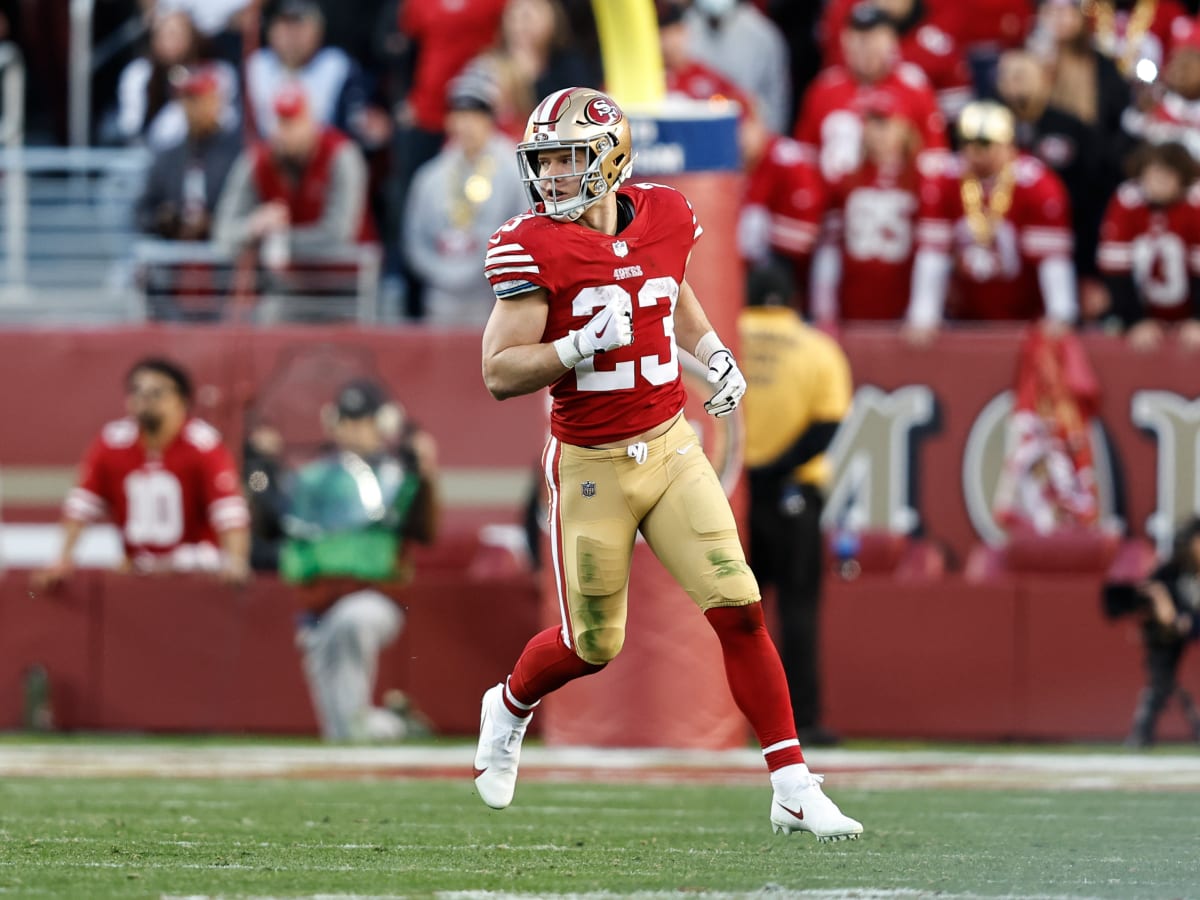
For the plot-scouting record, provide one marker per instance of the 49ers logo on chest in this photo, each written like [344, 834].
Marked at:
[602, 111]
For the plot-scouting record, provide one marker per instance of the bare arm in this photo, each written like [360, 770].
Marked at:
[691, 323]
[235, 545]
[515, 361]
[55, 574]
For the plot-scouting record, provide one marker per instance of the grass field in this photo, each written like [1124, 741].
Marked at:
[354, 834]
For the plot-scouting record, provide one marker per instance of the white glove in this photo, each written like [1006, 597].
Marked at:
[731, 384]
[610, 328]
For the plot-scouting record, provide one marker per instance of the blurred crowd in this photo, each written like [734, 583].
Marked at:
[913, 161]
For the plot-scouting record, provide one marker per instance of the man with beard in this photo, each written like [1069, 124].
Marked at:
[165, 480]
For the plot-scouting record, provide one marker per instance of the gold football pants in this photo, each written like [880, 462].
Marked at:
[600, 499]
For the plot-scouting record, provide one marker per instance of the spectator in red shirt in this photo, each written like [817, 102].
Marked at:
[1137, 34]
[687, 76]
[999, 222]
[925, 40]
[1150, 248]
[830, 126]
[1174, 114]
[863, 270]
[165, 480]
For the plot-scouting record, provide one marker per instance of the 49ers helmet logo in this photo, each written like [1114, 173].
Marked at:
[602, 111]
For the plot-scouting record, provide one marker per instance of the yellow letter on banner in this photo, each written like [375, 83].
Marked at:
[633, 66]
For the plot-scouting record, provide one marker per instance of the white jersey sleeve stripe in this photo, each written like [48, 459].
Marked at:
[505, 248]
[508, 270]
[511, 258]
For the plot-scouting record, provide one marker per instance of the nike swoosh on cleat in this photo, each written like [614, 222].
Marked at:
[479, 772]
[798, 815]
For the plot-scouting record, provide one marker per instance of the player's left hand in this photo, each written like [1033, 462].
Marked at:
[730, 383]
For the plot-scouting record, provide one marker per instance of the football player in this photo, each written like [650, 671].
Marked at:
[166, 480]
[593, 303]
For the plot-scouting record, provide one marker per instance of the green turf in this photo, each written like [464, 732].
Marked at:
[91, 838]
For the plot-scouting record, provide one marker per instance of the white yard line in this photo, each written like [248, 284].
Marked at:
[866, 769]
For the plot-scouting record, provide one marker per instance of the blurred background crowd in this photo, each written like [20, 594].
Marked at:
[366, 148]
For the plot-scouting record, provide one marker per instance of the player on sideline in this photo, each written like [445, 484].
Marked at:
[591, 302]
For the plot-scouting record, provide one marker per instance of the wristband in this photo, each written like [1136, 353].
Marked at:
[568, 352]
[707, 346]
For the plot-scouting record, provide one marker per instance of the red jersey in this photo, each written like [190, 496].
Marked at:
[830, 127]
[168, 504]
[929, 45]
[1126, 35]
[785, 193]
[873, 219]
[449, 34]
[626, 391]
[1159, 247]
[1173, 118]
[699, 82]
[998, 280]
[307, 194]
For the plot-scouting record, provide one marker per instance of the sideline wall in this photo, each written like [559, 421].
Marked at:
[1012, 658]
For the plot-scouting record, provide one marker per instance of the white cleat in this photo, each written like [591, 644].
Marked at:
[499, 750]
[806, 808]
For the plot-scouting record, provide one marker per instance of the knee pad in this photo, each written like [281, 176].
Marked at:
[599, 646]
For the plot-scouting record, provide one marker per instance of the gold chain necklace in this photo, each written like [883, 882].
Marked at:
[983, 222]
[1103, 15]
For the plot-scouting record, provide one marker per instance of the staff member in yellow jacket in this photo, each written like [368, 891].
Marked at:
[799, 391]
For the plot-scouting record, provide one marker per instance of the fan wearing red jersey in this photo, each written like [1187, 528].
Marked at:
[830, 125]
[593, 303]
[999, 223]
[863, 268]
[1150, 248]
[165, 480]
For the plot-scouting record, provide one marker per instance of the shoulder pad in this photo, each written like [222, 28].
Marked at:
[120, 433]
[912, 75]
[935, 40]
[201, 435]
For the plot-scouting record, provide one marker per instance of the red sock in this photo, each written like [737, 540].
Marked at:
[757, 681]
[545, 665]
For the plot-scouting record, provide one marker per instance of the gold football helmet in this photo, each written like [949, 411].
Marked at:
[576, 119]
[986, 120]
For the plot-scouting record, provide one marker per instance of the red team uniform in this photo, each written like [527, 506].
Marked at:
[999, 280]
[1158, 247]
[630, 389]
[786, 196]
[873, 218]
[930, 46]
[169, 507]
[1144, 29]
[830, 125]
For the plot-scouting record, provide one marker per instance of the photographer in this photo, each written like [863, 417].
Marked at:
[1170, 601]
[350, 516]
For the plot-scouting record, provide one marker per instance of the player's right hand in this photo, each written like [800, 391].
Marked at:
[608, 329]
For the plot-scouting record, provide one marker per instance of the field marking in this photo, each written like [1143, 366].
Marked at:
[769, 892]
[856, 769]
